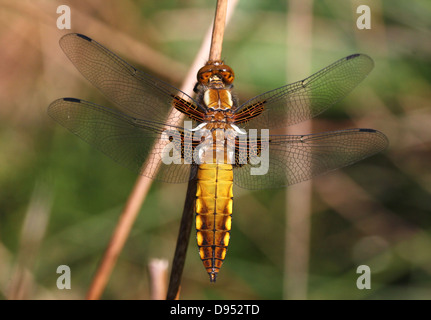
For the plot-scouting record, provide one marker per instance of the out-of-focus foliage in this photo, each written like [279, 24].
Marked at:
[60, 199]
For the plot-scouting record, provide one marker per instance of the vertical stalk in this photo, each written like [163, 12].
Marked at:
[189, 205]
[298, 208]
[218, 30]
[183, 238]
[143, 184]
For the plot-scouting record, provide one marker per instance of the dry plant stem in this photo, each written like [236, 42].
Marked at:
[187, 217]
[183, 238]
[137, 197]
[218, 30]
[131, 210]
[298, 206]
[158, 270]
[32, 233]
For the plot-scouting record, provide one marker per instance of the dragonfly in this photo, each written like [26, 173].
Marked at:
[163, 133]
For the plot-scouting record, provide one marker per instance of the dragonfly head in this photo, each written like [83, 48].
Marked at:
[215, 71]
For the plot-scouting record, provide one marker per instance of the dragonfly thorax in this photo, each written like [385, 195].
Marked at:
[218, 119]
[218, 99]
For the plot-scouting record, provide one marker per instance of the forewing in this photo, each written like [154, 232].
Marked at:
[134, 92]
[305, 99]
[292, 159]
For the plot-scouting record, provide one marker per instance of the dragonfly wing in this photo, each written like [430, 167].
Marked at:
[134, 92]
[292, 159]
[305, 99]
[134, 143]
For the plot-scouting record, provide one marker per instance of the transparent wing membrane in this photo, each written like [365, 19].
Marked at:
[293, 159]
[133, 143]
[134, 92]
[307, 98]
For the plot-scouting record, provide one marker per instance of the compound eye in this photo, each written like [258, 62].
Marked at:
[203, 77]
[227, 76]
[226, 73]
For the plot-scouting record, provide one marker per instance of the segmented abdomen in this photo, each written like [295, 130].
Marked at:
[214, 200]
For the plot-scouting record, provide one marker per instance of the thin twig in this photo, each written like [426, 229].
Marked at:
[32, 233]
[158, 270]
[188, 211]
[218, 30]
[183, 238]
[136, 198]
[298, 206]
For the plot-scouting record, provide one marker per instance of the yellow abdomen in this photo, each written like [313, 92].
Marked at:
[213, 214]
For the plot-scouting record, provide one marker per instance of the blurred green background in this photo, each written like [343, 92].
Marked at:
[60, 199]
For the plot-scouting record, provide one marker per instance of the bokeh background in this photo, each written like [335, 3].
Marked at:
[60, 199]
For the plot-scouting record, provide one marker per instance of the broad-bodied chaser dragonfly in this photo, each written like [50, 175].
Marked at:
[217, 142]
